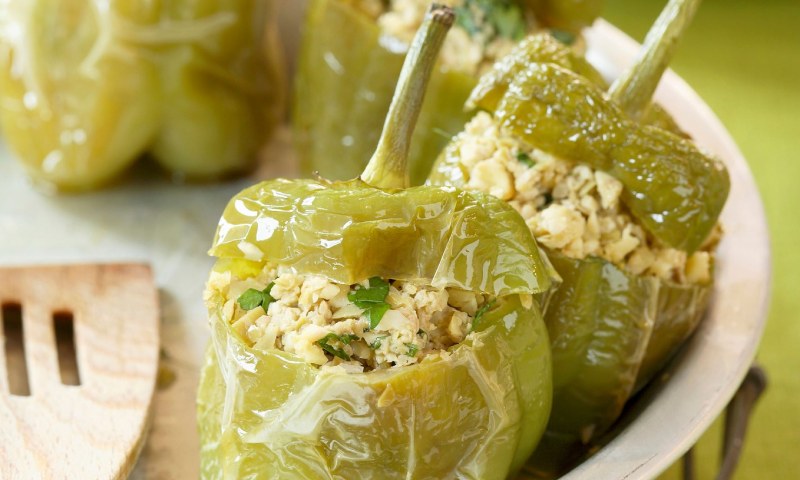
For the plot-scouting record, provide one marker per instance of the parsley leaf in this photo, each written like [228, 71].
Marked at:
[252, 298]
[377, 343]
[480, 313]
[335, 351]
[412, 349]
[465, 20]
[372, 300]
[508, 22]
[502, 18]
[525, 159]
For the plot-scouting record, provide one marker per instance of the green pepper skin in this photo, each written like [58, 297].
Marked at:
[284, 419]
[349, 231]
[345, 81]
[676, 191]
[544, 48]
[680, 309]
[536, 48]
[600, 321]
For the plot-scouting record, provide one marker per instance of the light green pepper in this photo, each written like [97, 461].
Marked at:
[477, 411]
[611, 330]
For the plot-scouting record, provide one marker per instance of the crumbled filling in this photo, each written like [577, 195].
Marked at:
[485, 30]
[570, 207]
[334, 325]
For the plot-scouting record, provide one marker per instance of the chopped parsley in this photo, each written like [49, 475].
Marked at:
[372, 300]
[498, 18]
[412, 349]
[348, 337]
[480, 313]
[335, 351]
[253, 298]
[525, 159]
[377, 343]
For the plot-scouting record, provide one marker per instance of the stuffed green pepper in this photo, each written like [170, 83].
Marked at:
[363, 329]
[351, 54]
[627, 212]
[88, 86]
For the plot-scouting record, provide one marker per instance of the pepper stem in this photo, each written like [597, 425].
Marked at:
[388, 167]
[635, 87]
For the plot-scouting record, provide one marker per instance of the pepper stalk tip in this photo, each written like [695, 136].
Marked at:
[634, 89]
[388, 167]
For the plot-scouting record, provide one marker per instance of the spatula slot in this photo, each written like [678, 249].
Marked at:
[64, 327]
[16, 365]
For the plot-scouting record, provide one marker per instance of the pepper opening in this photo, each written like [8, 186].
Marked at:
[372, 325]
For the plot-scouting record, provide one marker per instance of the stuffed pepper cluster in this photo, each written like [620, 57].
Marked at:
[493, 322]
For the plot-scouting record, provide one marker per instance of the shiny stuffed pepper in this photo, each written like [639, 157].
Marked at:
[627, 213]
[351, 55]
[88, 86]
[362, 329]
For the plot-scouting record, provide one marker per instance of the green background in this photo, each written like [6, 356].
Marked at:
[743, 58]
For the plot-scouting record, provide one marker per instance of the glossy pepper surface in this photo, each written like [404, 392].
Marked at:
[350, 231]
[611, 330]
[86, 87]
[475, 412]
[674, 189]
[346, 74]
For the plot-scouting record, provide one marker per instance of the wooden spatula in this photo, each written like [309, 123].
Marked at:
[77, 371]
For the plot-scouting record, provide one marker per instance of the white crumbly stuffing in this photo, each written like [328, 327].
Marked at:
[571, 208]
[421, 321]
[462, 52]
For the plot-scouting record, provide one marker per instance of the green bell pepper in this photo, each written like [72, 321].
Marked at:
[601, 321]
[86, 89]
[611, 330]
[476, 412]
[346, 74]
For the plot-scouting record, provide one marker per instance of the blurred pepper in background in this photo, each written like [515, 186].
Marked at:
[86, 87]
[351, 55]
